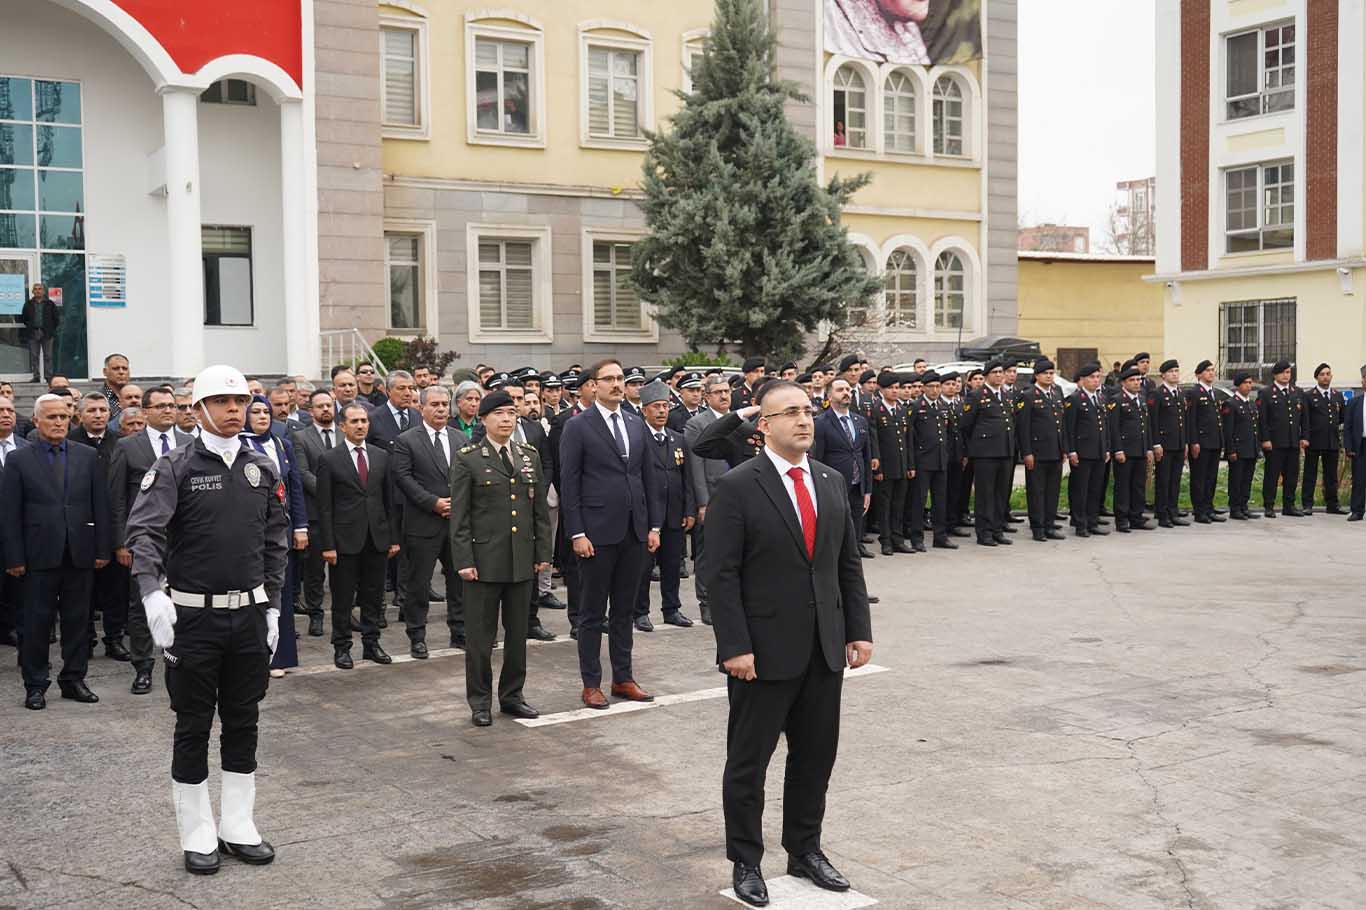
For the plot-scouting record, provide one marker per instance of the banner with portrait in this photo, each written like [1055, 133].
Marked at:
[924, 32]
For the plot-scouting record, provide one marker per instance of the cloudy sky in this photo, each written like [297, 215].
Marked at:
[1086, 107]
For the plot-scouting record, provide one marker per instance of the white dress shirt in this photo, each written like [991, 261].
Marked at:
[155, 437]
[782, 466]
[621, 418]
[355, 462]
[319, 429]
[438, 437]
[7, 447]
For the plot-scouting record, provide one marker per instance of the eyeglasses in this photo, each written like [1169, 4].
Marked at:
[367, 372]
[161, 406]
[793, 412]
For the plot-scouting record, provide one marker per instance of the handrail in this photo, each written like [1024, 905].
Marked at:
[348, 346]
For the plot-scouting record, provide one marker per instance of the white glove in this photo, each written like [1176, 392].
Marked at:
[272, 629]
[160, 618]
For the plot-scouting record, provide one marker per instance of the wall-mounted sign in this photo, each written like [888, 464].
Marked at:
[12, 295]
[107, 277]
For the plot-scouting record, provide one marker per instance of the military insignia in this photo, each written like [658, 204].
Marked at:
[1019, 405]
[486, 453]
[280, 490]
[253, 474]
[148, 479]
[464, 450]
[966, 408]
[1110, 406]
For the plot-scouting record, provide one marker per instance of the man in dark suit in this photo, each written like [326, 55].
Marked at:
[133, 457]
[896, 465]
[1354, 441]
[38, 323]
[1205, 433]
[705, 472]
[108, 591]
[10, 442]
[1088, 439]
[790, 610]
[671, 469]
[1041, 435]
[397, 415]
[355, 500]
[929, 427]
[422, 471]
[564, 552]
[987, 426]
[612, 513]
[1167, 418]
[1240, 418]
[1283, 431]
[843, 440]
[1131, 446]
[1324, 409]
[60, 534]
[311, 442]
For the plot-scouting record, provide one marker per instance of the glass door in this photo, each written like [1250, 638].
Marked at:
[17, 271]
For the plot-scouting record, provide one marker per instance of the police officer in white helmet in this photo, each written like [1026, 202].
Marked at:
[208, 534]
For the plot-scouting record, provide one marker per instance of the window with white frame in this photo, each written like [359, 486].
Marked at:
[401, 68]
[851, 108]
[693, 52]
[950, 290]
[900, 283]
[1254, 334]
[616, 306]
[507, 286]
[949, 120]
[227, 275]
[1260, 207]
[403, 257]
[898, 113]
[1260, 71]
[503, 96]
[614, 93]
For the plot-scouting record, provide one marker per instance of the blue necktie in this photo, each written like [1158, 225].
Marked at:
[621, 439]
[165, 444]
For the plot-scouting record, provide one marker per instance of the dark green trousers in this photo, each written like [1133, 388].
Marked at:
[482, 603]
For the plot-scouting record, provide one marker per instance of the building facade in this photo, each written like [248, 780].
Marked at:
[156, 172]
[1055, 238]
[1134, 224]
[1261, 167]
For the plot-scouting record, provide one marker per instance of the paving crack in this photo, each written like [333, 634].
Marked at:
[1270, 650]
[112, 881]
[1110, 588]
[1158, 810]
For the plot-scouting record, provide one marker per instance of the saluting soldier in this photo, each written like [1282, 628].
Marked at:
[1088, 439]
[987, 426]
[743, 396]
[1284, 431]
[895, 465]
[1325, 410]
[1041, 433]
[1205, 430]
[929, 434]
[1167, 417]
[500, 539]
[1241, 434]
[1132, 448]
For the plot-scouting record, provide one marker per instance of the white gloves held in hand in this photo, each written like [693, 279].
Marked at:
[160, 618]
[272, 629]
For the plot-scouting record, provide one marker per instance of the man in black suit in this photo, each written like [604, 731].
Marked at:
[1354, 441]
[311, 442]
[1284, 431]
[1205, 431]
[1324, 409]
[397, 415]
[929, 427]
[60, 534]
[355, 502]
[790, 609]
[10, 442]
[133, 457]
[843, 440]
[1041, 435]
[422, 470]
[1088, 439]
[987, 426]
[1240, 419]
[612, 513]
[108, 591]
[671, 470]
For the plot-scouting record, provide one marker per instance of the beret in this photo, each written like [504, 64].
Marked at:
[1280, 366]
[929, 376]
[1203, 365]
[994, 365]
[974, 372]
[1130, 373]
[1241, 377]
[949, 376]
[803, 377]
[713, 371]
[823, 368]
[1169, 365]
[910, 378]
[670, 372]
[888, 379]
[494, 400]
[751, 364]
[551, 381]
[655, 391]
[848, 360]
[1088, 369]
[787, 366]
[1320, 368]
[1043, 364]
[736, 380]
[635, 374]
[690, 381]
[1141, 355]
[866, 375]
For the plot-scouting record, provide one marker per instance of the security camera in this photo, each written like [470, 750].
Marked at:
[1343, 270]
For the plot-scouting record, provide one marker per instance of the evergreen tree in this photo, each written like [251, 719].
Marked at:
[745, 244]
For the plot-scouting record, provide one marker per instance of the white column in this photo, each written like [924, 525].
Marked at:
[185, 259]
[301, 306]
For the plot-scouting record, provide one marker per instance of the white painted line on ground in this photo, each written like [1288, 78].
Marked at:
[792, 893]
[661, 701]
[433, 654]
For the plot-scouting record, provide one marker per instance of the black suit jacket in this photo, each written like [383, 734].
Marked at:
[671, 470]
[767, 597]
[104, 451]
[602, 495]
[1352, 422]
[421, 481]
[1323, 417]
[830, 445]
[308, 451]
[351, 516]
[384, 429]
[133, 456]
[48, 519]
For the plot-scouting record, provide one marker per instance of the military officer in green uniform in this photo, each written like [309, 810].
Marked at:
[500, 540]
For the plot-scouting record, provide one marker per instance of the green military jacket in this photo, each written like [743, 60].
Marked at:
[500, 524]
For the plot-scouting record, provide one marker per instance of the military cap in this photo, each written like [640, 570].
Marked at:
[751, 364]
[570, 382]
[712, 371]
[1141, 355]
[1130, 373]
[1241, 377]
[654, 391]
[849, 360]
[551, 381]
[669, 372]
[994, 365]
[574, 368]
[691, 380]
[823, 368]
[494, 400]
[790, 365]
[1168, 365]
[1320, 368]
[803, 377]
[1280, 366]
[949, 376]
[909, 378]
[866, 375]
[497, 381]
[526, 373]
[930, 376]
[1086, 369]
[888, 379]
[1203, 365]
[634, 374]
[1043, 364]
[736, 380]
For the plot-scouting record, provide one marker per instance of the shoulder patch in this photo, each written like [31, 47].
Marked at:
[148, 479]
[465, 450]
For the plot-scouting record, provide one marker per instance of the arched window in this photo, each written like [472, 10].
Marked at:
[898, 113]
[901, 286]
[949, 135]
[857, 310]
[851, 109]
[950, 290]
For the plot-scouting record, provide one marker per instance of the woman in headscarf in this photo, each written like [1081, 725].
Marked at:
[258, 434]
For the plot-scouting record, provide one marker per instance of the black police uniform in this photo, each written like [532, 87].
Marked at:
[959, 479]
[1167, 417]
[929, 430]
[1283, 424]
[213, 531]
[895, 461]
[1241, 433]
[1324, 413]
[987, 426]
[1205, 428]
[1130, 435]
[1041, 431]
[1089, 439]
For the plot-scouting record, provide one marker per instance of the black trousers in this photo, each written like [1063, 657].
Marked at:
[47, 594]
[989, 476]
[10, 593]
[358, 581]
[573, 581]
[423, 555]
[1283, 466]
[956, 484]
[108, 595]
[1204, 479]
[1086, 492]
[1131, 479]
[1358, 505]
[889, 498]
[140, 643]
[483, 601]
[669, 557]
[934, 484]
[1240, 483]
[219, 662]
[1312, 459]
[1042, 486]
[856, 511]
[1167, 484]
[807, 709]
[314, 573]
[965, 480]
[611, 574]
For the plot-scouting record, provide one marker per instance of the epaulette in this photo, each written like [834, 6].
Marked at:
[465, 450]
[528, 446]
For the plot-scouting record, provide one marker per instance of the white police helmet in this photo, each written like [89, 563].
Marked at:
[219, 380]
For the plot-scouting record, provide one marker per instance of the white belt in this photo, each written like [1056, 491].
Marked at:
[233, 600]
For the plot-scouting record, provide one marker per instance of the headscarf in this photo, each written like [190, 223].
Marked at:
[261, 440]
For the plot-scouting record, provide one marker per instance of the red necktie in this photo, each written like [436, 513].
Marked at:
[807, 509]
[362, 469]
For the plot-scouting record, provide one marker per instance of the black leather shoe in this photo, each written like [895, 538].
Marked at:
[114, 650]
[574, 634]
[643, 624]
[902, 547]
[1219, 515]
[201, 863]
[864, 552]
[749, 885]
[482, 717]
[1098, 531]
[384, 620]
[142, 682]
[433, 597]
[1181, 523]
[458, 641]
[1204, 520]
[1293, 513]
[959, 532]
[1336, 510]
[1039, 536]
[944, 543]
[874, 599]
[261, 854]
[1123, 529]
[418, 650]
[1010, 530]
[919, 547]
[1052, 534]
[985, 542]
[1270, 513]
[35, 700]
[677, 618]
[814, 866]
[1081, 532]
[540, 633]
[1165, 523]
[1003, 541]
[78, 691]
[9, 637]
[549, 601]
[887, 550]
[1239, 516]
[315, 626]
[519, 709]
[869, 538]
[1356, 516]
[1250, 515]
[1140, 526]
[342, 658]
[1015, 519]
[375, 653]
[706, 614]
